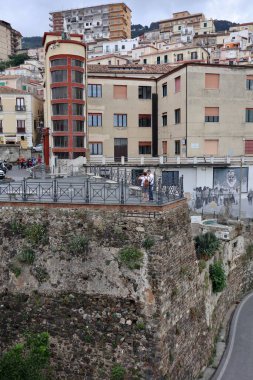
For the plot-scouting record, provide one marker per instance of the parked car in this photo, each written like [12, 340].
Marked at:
[37, 148]
[2, 174]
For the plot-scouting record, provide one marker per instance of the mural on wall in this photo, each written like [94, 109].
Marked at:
[229, 178]
[225, 191]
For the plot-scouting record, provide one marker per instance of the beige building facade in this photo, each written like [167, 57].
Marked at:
[10, 40]
[20, 114]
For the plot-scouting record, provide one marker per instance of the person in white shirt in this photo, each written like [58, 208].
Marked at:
[151, 185]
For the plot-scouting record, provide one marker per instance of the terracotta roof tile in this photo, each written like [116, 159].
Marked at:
[9, 90]
[130, 69]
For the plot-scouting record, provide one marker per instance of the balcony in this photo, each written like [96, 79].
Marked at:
[20, 108]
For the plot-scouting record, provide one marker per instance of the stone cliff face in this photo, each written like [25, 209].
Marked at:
[60, 272]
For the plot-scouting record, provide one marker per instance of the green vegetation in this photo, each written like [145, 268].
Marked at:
[28, 360]
[14, 60]
[140, 325]
[249, 252]
[36, 233]
[16, 227]
[118, 372]
[40, 274]
[218, 276]
[31, 42]
[15, 269]
[27, 256]
[148, 243]
[206, 245]
[78, 245]
[131, 257]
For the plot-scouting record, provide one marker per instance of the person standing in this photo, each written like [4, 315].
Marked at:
[151, 185]
[144, 185]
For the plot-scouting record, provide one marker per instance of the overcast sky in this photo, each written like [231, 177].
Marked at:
[31, 17]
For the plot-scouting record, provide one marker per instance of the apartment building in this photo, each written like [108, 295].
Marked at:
[20, 114]
[176, 56]
[180, 20]
[206, 110]
[10, 40]
[102, 22]
[110, 59]
[194, 110]
[65, 86]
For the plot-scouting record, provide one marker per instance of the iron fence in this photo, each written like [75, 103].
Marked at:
[90, 190]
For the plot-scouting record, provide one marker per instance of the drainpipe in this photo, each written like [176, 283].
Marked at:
[186, 111]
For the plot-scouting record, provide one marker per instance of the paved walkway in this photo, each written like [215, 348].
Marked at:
[237, 362]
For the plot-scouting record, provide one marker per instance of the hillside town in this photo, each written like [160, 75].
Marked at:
[126, 195]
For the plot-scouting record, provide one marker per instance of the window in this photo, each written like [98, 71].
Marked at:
[76, 62]
[144, 147]
[144, 92]
[59, 62]
[144, 61]
[116, 48]
[119, 92]
[77, 109]
[177, 147]
[205, 24]
[211, 147]
[179, 27]
[109, 63]
[164, 147]
[144, 120]
[1, 126]
[77, 76]
[1, 106]
[78, 125]
[62, 155]
[59, 76]
[107, 49]
[60, 109]
[212, 114]
[180, 57]
[60, 125]
[96, 148]
[249, 82]
[120, 120]
[95, 120]
[158, 60]
[164, 86]
[78, 141]
[177, 84]
[60, 141]
[77, 93]
[164, 119]
[95, 90]
[248, 146]
[20, 104]
[178, 116]
[20, 126]
[194, 55]
[123, 47]
[166, 59]
[212, 81]
[59, 93]
[249, 115]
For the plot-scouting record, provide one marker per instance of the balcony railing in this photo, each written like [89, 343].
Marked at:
[21, 130]
[20, 108]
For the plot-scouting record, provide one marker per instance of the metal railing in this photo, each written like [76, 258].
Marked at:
[95, 190]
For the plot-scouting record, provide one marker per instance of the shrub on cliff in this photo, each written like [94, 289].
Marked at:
[206, 245]
[131, 257]
[78, 245]
[118, 372]
[28, 360]
[218, 276]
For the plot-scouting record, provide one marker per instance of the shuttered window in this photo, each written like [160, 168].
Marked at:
[177, 84]
[120, 92]
[212, 81]
[211, 147]
[249, 82]
[249, 115]
[212, 114]
[248, 146]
